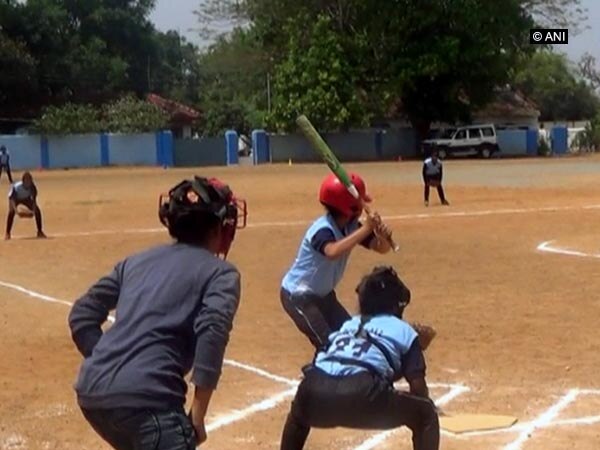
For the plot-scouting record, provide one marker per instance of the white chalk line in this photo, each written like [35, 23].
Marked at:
[543, 419]
[293, 223]
[379, 438]
[548, 247]
[264, 405]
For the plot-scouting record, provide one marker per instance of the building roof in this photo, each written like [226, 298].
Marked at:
[509, 103]
[178, 112]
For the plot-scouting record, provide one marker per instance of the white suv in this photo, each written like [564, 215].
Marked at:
[478, 140]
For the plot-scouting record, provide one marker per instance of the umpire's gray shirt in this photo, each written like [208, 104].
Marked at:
[175, 306]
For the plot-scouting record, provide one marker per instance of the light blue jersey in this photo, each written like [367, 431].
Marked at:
[312, 272]
[351, 352]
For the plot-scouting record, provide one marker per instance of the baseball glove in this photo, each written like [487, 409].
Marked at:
[24, 212]
[426, 334]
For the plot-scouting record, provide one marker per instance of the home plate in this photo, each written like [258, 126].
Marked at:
[464, 423]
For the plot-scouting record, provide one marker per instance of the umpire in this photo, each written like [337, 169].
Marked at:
[350, 383]
[175, 306]
[432, 176]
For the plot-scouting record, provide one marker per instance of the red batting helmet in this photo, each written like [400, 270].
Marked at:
[335, 195]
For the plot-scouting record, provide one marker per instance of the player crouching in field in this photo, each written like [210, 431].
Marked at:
[23, 193]
[350, 383]
[175, 306]
[308, 289]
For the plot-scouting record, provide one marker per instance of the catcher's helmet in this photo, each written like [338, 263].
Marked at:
[335, 195]
[199, 202]
[382, 291]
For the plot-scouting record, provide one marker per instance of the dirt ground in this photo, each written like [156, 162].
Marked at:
[518, 327]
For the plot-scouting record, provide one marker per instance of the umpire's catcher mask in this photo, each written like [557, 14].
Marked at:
[204, 197]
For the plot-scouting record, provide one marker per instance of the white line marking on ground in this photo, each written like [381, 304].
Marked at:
[549, 248]
[230, 362]
[379, 438]
[264, 405]
[293, 223]
[13, 442]
[543, 420]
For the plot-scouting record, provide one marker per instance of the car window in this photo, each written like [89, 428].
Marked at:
[462, 134]
[487, 132]
[474, 133]
[447, 134]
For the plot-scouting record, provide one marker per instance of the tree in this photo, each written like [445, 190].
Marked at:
[316, 79]
[589, 70]
[234, 73]
[69, 119]
[130, 115]
[557, 88]
[557, 13]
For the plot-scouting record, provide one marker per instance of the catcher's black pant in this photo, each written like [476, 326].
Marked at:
[10, 219]
[362, 401]
[316, 317]
[7, 168]
[143, 429]
[440, 189]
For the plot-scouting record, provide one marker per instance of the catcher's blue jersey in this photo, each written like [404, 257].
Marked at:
[312, 272]
[347, 346]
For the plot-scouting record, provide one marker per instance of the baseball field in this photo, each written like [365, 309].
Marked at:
[508, 275]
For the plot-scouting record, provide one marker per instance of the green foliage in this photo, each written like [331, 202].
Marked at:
[316, 80]
[547, 79]
[589, 139]
[233, 84]
[69, 119]
[126, 115]
[130, 115]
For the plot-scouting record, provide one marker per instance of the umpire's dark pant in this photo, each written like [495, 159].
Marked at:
[440, 189]
[143, 429]
[7, 168]
[316, 317]
[362, 401]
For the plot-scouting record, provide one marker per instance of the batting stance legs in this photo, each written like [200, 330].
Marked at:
[316, 317]
[361, 401]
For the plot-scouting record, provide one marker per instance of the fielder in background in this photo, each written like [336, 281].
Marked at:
[5, 163]
[24, 193]
[432, 177]
[350, 383]
[308, 289]
[175, 306]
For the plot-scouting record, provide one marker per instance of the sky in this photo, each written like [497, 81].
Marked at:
[178, 15]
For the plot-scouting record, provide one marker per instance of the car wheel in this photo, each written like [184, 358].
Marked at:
[486, 152]
[442, 154]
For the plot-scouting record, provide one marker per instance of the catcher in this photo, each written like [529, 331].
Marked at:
[432, 177]
[22, 200]
[350, 383]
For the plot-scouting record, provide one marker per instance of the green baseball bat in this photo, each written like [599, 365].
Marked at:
[321, 147]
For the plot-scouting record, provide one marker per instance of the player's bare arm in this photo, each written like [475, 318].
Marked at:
[198, 412]
[418, 386]
[334, 250]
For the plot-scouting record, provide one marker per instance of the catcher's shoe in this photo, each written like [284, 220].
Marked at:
[426, 203]
[41, 235]
[7, 237]
[445, 203]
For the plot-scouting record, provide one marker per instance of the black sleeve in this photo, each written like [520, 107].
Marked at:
[212, 326]
[321, 238]
[413, 362]
[34, 192]
[424, 172]
[91, 311]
